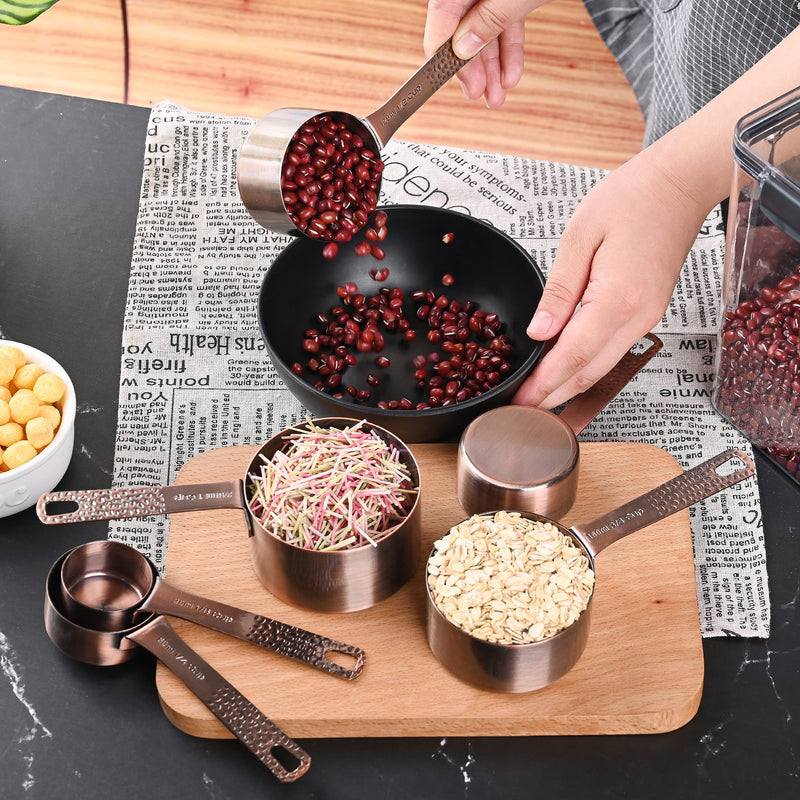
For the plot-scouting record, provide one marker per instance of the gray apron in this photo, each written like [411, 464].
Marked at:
[679, 54]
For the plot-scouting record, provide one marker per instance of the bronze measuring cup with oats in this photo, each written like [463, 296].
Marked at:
[509, 593]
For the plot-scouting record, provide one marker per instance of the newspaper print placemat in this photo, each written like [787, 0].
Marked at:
[195, 374]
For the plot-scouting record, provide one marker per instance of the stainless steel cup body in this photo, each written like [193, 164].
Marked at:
[99, 647]
[103, 583]
[518, 458]
[260, 162]
[510, 668]
[532, 666]
[261, 157]
[343, 580]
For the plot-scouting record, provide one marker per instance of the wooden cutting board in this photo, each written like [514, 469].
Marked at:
[641, 672]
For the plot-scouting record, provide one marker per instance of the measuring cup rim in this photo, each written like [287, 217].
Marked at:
[521, 646]
[55, 602]
[274, 445]
[126, 550]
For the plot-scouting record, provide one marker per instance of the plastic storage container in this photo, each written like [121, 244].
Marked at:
[757, 382]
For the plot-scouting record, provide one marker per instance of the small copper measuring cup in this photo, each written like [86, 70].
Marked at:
[110, 586]
[261, 158]
[531, 666]
[527, 459]
[340, 580]
[280, 754]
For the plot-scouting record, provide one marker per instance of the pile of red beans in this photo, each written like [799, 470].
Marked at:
[330, 180]
[469, 353]
[758, 386]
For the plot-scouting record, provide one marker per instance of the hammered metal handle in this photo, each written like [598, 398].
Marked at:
[419, 88]
[101, 504]
[581, 410]
[138, 501]
[310, 648]
[255, 730]
[258, 733]
[681, 492]
[281, 638]
[441, 66]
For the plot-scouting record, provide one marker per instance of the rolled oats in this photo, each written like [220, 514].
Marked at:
[510, 580]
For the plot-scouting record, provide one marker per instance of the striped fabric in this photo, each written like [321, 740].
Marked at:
[679, 54]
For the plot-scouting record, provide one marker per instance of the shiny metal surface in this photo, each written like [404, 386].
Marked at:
[85, 505]
[104, 583]
[107, 648]
[110, 586]
[101, 648]
[261, 157]
[345, 580]
[514, 668]
[528, 667]
[521, 458]
[517, 458]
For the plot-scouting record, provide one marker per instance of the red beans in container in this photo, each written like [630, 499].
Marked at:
[330, 181]
[758, 375]
[757, 384]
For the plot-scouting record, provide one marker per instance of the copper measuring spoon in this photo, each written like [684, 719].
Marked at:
[280, 754]
[109, 586]
[261, 158]
[338, 580]
[530, 666]
[524, 458]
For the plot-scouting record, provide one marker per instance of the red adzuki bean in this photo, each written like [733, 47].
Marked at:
[325, 159]
[476, 350]
[758, 382]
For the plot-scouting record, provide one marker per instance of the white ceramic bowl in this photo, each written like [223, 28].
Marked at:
[22, 486]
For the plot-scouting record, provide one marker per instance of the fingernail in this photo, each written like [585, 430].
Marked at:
[467, 45]
[540, 324]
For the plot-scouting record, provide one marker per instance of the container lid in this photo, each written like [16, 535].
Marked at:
[757, 138]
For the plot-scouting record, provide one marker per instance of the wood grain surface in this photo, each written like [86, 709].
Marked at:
[248, 57]
[641, 672]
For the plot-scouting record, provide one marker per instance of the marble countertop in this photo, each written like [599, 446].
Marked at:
[70, 173]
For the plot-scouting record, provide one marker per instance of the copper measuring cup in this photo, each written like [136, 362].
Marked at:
[280, 754]
[341, 580]
[531, 666]
[110, 586]
[523, 458]
[261, 158]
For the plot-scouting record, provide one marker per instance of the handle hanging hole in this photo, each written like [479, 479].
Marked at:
[57, 508]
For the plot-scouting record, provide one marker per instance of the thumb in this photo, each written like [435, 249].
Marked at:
[486, 20]
[442, 20]
[564, 288]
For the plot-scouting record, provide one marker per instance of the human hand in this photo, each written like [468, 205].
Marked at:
[617, 263]
[497, 26]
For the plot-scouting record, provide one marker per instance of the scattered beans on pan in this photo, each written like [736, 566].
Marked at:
[759, 370]
[509, 580]
[468, 353]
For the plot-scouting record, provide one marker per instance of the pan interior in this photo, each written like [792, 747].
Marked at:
[487, 268]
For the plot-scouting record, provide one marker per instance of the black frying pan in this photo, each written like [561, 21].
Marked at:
[489, 268]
